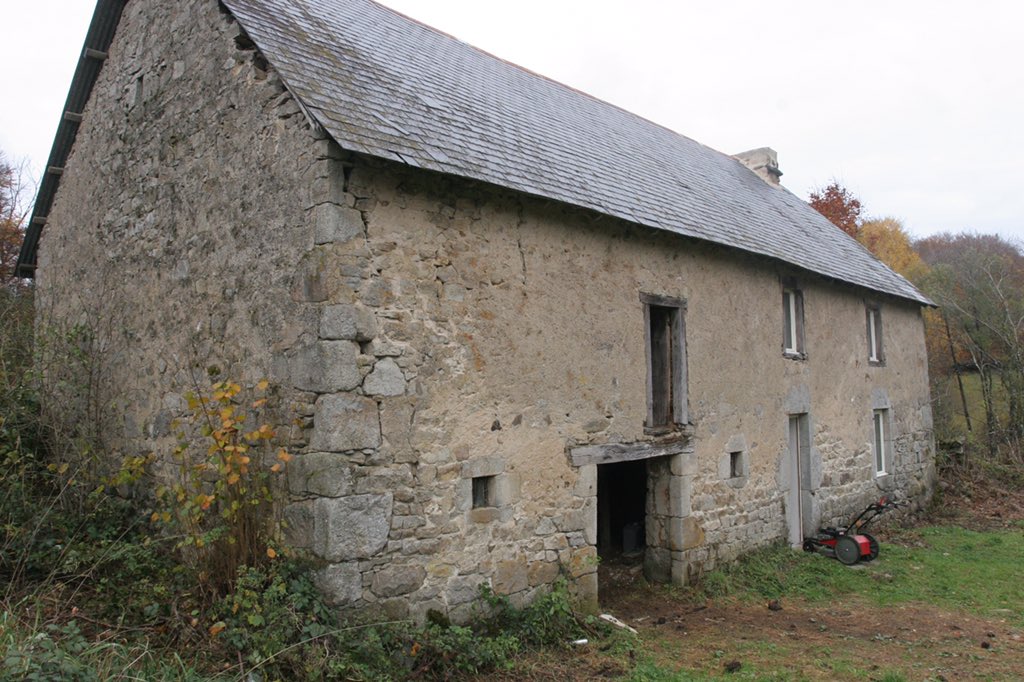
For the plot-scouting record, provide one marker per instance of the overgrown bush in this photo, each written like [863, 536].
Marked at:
[275, 622]
[17, 400]
[78, 565]
[221, 504]
[99, 578]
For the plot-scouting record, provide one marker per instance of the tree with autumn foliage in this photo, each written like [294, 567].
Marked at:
[16, 311]
[840, 206]
[887, 239]
[13, 211]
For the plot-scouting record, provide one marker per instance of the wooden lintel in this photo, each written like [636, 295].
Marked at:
[95, 54]
[72, 116]
[627, 452]
[39, 220]
[55, 170]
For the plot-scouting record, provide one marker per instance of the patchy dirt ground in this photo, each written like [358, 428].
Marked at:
[978, 504]
[823, 643]
[797, 640]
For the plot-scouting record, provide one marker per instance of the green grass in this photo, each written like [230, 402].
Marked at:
[649, 671]
[961, 569]
[62, 652]
[945, 566]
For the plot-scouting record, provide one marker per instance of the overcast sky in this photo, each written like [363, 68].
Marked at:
[917, 107]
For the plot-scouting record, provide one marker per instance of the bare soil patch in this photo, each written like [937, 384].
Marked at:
[797, 641]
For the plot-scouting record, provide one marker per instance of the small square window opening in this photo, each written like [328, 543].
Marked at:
[483, 492]
[736, 465]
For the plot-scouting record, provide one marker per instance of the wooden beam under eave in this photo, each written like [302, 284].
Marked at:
[55, 170]
[73, 117]
[39, 220]
[98, 55]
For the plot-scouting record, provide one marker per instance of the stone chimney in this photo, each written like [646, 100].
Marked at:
[763, 161]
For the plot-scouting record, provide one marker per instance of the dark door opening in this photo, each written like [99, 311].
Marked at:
[621, 510]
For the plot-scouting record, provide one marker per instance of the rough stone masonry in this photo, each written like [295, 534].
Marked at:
[462, 359]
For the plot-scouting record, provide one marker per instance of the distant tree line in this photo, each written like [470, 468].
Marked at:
[975, 337]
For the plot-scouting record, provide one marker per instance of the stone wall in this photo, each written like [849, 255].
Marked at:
[447, 345]
[517, 332]
[182, 211]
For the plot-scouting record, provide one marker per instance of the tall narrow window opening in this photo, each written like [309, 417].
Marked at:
[666, 362]
[875, 335]
[793, 321]
[882, 439]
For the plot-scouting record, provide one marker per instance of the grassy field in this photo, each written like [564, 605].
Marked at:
[945, 566]
[943, 601]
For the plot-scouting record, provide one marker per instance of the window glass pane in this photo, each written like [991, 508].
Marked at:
[879, 441]
[872, 336]
[789, 311]
[482, 491]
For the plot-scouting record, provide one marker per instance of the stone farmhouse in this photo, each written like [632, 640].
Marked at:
[524, 329]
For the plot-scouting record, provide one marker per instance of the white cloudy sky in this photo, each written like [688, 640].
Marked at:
[916, 106]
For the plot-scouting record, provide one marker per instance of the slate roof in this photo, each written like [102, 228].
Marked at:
[383, 84]
[386, 85]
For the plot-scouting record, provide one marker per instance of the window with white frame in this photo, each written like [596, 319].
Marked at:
[793, 321]
[882, 445]
[874, 317]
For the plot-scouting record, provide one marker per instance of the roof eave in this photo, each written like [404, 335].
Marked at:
[105, 20]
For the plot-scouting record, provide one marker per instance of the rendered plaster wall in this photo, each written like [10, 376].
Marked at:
[429, 331]
[509, 334]
[836, 388]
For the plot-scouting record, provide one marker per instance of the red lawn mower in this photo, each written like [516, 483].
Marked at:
[850, 544]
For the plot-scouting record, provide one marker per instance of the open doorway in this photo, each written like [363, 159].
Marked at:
[621, 523]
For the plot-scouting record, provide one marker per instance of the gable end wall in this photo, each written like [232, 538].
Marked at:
[186, 204]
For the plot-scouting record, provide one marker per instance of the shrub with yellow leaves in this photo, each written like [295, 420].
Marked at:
[221, 507]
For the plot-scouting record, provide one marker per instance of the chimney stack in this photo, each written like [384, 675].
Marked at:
[763, 161]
